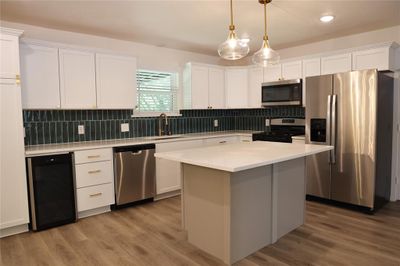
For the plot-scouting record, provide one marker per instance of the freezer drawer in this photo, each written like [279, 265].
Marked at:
[134, 173]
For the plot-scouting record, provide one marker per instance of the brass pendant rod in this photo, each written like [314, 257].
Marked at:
[231, 27]
[265, 21]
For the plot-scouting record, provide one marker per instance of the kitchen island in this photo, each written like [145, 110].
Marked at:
[239, 198]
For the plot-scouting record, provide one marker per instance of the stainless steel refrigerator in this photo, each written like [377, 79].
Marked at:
[353, 112]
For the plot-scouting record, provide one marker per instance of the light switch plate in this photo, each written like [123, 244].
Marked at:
[215, 122]
[267, 122]
[81, 130]
[125, 127]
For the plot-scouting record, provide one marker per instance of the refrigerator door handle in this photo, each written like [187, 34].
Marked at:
[333, 136]
[328, 124]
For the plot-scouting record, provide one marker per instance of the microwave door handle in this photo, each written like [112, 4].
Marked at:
[333, 141]
[328, 124]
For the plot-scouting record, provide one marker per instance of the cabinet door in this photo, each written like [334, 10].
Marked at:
[236, 88]
[372, 58]
[311, 67]
[9, 63]
[273, 73]
[116, 82]
[13, 188]
[335, 64]
[40, 78]
[216, 88]
[77, 79]
[292, 70]
[168, 173]
[255, 82]
[199, 87]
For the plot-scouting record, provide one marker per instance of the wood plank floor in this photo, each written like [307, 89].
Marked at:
[150, 234]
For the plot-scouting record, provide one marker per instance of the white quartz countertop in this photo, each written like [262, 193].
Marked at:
[71, 147]
[242, 156]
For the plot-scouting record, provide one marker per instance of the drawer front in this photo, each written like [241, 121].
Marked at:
[95, 196]
[95, 155]
[90, 174]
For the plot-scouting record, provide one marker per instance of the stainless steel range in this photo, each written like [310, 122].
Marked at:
[282, 130]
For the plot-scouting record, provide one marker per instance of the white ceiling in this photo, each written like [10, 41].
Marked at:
[200, 25]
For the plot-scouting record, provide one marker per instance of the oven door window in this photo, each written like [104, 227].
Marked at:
[281, 93]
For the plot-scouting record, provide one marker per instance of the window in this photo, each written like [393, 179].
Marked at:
[157, 91]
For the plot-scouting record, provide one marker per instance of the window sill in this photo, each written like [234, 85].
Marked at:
[155, 114]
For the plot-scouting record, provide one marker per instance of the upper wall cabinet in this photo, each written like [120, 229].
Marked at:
[381, 58]
[39, 77]
[9, 51]
[311, 67]
[77, 79]
[203, 87]
[292, 70]
[236, 83]
[273, 73]
[336, 64]
[116, 82]
[216, 90]
[254, 89]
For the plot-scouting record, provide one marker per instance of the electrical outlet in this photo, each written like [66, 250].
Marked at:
[267, 122]
[125, 127]
[81, 130]
[215, 122]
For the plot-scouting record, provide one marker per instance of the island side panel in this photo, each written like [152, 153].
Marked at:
[206, 207]
[251, 215]
[288, 198]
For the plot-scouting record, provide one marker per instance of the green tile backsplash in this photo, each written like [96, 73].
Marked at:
[61, 126]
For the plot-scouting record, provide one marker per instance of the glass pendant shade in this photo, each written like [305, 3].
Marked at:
[233, 48]
[266, 55]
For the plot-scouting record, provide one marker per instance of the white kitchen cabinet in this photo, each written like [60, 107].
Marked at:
[273, 73]
[254, 88]
[39, 77]
[94, 174]
[14, 216]
[203, 87]
[216, 91]
[311, 67]
[236, 83]
[292, 70]
[116, 82]
[381, 58]
[335, 64]
[77, 79]
[168, 173]
[9, 51]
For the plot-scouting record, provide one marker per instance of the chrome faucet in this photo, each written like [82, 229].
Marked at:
[163, 128]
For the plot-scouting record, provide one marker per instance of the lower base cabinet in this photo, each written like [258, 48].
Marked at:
[94, 181]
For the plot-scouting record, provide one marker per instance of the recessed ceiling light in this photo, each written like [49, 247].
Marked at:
[327, 18]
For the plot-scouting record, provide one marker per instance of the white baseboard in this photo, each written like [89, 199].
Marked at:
[92, 212]
[167, 195]
[14, 230]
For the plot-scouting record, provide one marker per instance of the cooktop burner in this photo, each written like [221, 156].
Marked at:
[282, 130]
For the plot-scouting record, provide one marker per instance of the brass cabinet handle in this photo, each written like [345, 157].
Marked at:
[17, 79]
[93, 156]
[95, 194]
[224, 141]
[94, 171]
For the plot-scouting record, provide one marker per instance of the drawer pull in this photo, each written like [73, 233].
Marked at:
[224, 141]
[96, 194]
[93, 156]
[94, 171]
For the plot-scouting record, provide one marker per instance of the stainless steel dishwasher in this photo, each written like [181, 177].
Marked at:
[135, 173]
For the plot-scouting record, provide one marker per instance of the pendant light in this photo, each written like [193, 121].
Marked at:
[266, 55]
[233, 48]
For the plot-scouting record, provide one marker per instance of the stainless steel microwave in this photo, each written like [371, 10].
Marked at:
[284, 92]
